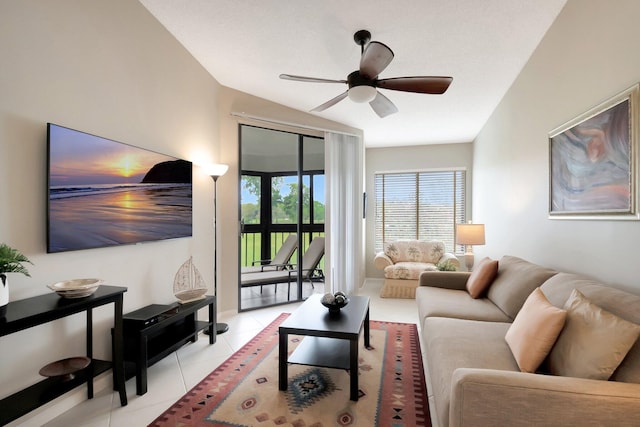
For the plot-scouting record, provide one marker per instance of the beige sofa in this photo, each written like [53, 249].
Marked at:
[404, 260]
[472, 376]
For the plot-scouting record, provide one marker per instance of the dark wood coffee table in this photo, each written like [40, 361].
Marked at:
[331, 341]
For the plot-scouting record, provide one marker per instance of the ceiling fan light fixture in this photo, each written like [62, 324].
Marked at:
[363, 93]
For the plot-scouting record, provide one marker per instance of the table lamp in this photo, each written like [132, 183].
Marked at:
[469, 235]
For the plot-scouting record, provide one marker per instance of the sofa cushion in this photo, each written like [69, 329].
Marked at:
[593, 342]
[534, 331]
[414, 250]
[558, 288]
[458, 304]
[622, 304]
[482, 277]
[515, 281]
[407, 270]
[476, 345]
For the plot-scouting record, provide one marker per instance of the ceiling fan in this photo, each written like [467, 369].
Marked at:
[363, 82]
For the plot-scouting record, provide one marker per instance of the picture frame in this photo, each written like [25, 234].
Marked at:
[103, 193]
[593, 162]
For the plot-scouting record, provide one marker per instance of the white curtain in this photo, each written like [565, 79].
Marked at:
[344, 207]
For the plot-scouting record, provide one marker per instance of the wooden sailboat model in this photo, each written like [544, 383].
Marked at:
[188, 284]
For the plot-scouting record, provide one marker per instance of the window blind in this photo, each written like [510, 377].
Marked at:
[419, 205]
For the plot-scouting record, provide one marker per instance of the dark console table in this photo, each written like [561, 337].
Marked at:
[155, 331]
[29, 312]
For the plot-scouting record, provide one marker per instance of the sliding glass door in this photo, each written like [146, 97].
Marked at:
[282, 203]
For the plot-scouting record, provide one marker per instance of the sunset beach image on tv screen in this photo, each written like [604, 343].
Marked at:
[106, 193]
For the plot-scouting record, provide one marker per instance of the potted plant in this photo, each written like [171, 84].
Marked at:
[11, 261]
[447, 266]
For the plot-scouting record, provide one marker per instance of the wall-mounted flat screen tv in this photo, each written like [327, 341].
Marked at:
[106, 193]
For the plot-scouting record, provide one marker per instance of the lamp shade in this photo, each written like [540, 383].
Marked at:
[216, 170]
[470, 234]
[362, 93]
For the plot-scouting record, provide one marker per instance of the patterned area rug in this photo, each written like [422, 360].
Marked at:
[243, 391]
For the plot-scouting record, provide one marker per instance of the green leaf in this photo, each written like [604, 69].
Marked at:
[11, 260]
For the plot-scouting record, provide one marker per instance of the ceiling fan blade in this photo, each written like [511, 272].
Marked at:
[433, 85]
[309, 79]
[331, 102]
[383, 105]
[375, 58]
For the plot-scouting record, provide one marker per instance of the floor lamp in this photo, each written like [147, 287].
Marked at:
[216, 171]
[469, 235]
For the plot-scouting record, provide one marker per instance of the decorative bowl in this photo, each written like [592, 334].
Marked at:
[76, 288]
[65, 368]
[334, 302]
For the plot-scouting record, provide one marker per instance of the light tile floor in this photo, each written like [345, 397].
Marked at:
[172, 377]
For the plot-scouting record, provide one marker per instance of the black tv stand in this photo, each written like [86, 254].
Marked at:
[155, 331]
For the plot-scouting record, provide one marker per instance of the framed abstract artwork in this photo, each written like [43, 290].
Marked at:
[593, 162]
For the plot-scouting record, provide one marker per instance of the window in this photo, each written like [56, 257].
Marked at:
[250, 198]
[318, 199]
[419, 205]
[284, 199]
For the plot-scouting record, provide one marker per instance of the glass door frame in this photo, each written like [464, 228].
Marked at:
[301, 228]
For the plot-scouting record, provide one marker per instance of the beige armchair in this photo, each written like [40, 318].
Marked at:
[404, 260]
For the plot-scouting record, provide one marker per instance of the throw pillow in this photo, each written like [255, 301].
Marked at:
[593, 343]
[482, 277]
[534, 331]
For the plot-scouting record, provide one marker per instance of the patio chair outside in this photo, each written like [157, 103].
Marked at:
[310, 261]
[279, 262]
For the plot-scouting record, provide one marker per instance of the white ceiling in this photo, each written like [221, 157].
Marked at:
[482, 44]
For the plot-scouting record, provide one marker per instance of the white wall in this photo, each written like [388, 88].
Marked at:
[109, 68]
[589, 54]
[412, 158]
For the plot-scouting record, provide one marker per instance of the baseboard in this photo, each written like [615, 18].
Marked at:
[64, 403]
